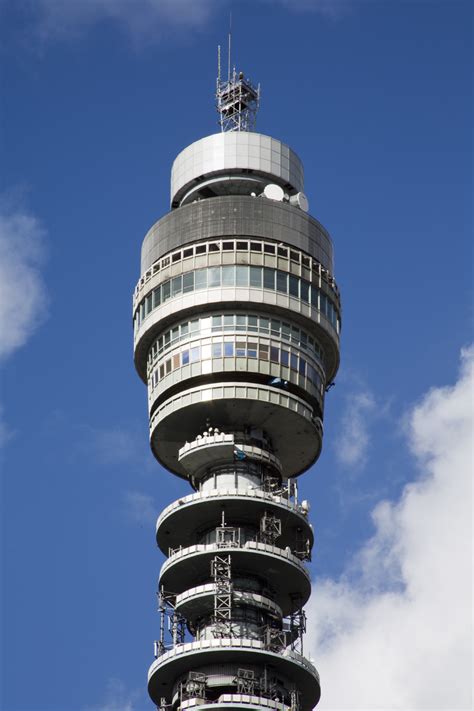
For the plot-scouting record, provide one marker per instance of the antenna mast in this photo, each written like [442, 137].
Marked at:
[236, 97]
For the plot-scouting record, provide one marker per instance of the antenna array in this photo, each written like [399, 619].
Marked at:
[237, 98]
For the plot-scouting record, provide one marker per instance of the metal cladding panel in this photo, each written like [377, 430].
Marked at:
[236, 150]
[237, 216]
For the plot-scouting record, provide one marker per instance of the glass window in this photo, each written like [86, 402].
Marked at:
[229, 322]
[168, 366]
[156, 297]
[286, 331]
[285, 356]
[185, 357]
[176, 257]
[269, 249]
[240, 348]
[294, 361]
[206, 324]
[268, 278]
[187, 253]
[228, 276]
[264, 324]
[177, 285]
[200, 278]
[175, 334]
[243, 245]
[188, 282]
[149, 304]
[201, 249]
[175, 361]
[302, 367]
[304, 340]
[184, 329]
[294, 256]
[304, 291]
[214, 277]
[242, 276]
[314, 297]
[165, 290]
[282, 252]
[228, 245]
[165, 262]
[241, 322]
[294, 284]
[162, 371]
[217, 322]
[167, 338]
[194, 325]
[256, 246]
[282, 282]
[275, 327]
[228, 349]
[194, 354]
[274, 354]
[214, 247]
[256, 276]
[322, 303]
[306, 261]
[253, 323]
[252, 350]
[330, 310]
[217, 350]
[263, 352]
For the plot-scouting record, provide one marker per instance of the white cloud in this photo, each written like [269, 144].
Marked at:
[140, 508]
[395, 631]
[23, 301]
[354, 438]
[143, 19]
[115, 445]
[117, 698]
[146, 20]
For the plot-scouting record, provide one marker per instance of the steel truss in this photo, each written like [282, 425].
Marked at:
[221, 574]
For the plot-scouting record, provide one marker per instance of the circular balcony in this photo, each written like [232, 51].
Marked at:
[278, 570]
[288, 420]
[164, 672]
[235, 702]
[177, 524]
[199, 601]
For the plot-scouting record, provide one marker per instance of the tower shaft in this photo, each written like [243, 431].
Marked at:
[236, 325]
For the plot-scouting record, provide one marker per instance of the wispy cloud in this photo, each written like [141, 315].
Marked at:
[113, 445]
[147, 20]
[23, 300]
[398, 622]
[140, 508]
[118, 698]
[143, 20]
[354, 437]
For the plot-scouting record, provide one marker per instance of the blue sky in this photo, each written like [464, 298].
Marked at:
[98, 99]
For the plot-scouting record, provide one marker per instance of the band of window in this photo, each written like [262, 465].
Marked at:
[239, 276]
[237, 349]
[244, 323]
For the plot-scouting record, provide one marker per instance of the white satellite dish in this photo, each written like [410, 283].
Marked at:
[274, 192]
[300, 200]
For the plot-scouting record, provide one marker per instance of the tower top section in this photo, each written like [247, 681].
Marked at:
[237, 98]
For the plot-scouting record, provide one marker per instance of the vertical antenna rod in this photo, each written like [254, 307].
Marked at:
[229, 46]
[237, 98]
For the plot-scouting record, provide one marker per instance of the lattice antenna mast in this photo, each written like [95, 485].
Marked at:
[237, 99]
